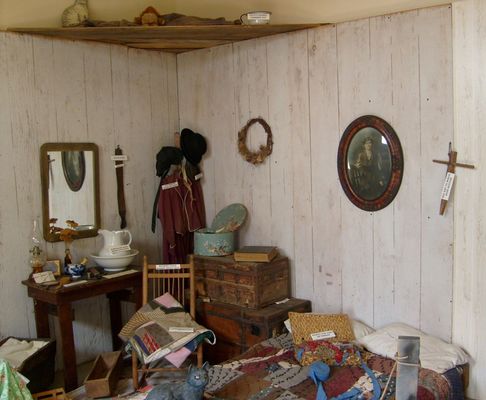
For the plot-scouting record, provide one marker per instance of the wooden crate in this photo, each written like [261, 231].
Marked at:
[238, 328]
[249, 284]
[103, 377]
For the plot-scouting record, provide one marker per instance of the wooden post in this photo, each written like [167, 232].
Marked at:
[408, 349]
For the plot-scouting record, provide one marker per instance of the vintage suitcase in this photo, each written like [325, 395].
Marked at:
[238, 328]
[248, 284]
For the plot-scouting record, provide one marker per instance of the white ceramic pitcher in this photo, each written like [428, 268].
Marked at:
[115, 242]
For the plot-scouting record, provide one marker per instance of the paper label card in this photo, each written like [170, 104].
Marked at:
[181, 329]
[164, 267]
[42, 277]
[446, 189]
[119, 158]
[323, 335]
[170, 185]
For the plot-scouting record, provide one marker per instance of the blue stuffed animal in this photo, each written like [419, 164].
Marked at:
[191, 389]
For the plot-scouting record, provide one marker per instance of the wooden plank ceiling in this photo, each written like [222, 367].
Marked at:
[176, 39]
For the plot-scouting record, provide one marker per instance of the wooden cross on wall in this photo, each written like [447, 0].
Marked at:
[449, 180]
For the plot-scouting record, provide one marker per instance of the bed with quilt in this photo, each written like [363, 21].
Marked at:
[275, 369]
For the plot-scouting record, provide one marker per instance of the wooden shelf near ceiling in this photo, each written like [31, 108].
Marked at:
[176, 39]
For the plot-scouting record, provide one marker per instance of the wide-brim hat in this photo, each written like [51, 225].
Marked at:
[166, 157]
[193, 146]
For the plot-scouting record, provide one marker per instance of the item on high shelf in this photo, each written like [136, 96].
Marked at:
[76, 14]
[256, 253]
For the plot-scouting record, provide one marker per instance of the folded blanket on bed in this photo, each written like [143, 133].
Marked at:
[162, 328]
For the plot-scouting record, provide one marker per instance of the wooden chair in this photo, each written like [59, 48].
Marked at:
[180, 283]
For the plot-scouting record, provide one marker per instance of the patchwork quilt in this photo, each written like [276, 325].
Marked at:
[269, 371]
[163, 329]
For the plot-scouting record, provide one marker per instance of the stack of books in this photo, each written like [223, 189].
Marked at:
[256, 253]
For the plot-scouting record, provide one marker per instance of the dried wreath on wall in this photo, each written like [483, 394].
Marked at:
[255, 157]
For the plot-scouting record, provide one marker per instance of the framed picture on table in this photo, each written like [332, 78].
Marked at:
[54, 266]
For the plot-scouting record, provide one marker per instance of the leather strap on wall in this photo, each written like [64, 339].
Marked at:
[120, 189]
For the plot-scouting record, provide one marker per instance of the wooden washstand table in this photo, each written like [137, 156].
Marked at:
[124, 287]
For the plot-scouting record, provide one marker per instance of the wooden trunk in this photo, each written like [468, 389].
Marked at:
[248, 284]
[38, 367]
[238, 328]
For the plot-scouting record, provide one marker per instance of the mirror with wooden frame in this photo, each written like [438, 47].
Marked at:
[370, 163]
[70, 187]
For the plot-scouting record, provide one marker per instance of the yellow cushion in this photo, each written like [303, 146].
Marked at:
[303, 324]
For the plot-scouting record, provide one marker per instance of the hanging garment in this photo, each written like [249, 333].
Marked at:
[181, 212]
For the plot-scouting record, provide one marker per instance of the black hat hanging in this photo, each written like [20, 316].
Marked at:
[193, 146]
[166, 157]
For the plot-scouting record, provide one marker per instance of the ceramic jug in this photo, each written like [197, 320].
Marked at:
[115, 242]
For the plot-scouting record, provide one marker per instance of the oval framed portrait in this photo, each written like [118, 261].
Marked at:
[74, 169]
[370, 163]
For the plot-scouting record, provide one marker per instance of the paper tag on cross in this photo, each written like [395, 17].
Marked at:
[446, 189]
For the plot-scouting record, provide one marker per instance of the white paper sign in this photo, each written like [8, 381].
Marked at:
[170, 185]
[119, 158]
[181, 329]
[163, 267]
[323, 335]
[446, 189]
[42, 277]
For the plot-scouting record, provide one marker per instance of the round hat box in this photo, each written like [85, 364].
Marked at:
[209, 243]
[219, 240]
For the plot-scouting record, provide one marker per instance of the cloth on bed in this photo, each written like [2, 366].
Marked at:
[150, 335]
[269, 371]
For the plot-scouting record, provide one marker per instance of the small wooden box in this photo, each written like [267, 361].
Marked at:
[238, 328]
[248, 284]
[103, 377]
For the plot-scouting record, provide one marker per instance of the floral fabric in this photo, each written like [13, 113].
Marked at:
[331, 353]
[12, 384]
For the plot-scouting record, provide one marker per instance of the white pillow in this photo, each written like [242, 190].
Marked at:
[435, 354]
[360, 329]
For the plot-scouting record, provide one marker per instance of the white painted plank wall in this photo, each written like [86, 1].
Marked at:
[469, 316]
[357, 233]
[326, 191]
[309, 87]
[63, 91]
[436, 127]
